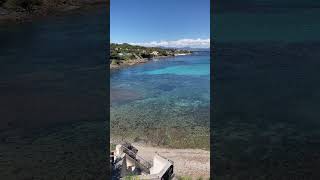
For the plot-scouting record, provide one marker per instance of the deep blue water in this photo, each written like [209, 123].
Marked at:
[169, 91]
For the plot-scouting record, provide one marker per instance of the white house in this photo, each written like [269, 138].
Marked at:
[155, 53]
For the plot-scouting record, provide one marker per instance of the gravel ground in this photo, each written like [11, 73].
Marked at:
[187, 162]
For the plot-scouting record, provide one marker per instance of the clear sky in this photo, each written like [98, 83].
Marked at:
[160, 22]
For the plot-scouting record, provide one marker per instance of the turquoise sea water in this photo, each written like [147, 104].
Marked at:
[170, 93]
[196, 70]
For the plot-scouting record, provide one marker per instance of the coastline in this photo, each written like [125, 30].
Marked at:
[20, 16]
[132, 62]
[157, 121]
[197, 139]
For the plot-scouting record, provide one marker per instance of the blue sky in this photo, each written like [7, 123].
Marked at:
[160, 22]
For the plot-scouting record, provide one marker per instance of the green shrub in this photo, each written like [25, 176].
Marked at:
[131, 177]
[126, 58]
[114, 62]
[184, 178]
[112, 147]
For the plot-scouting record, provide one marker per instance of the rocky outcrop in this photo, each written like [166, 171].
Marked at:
[126, 54]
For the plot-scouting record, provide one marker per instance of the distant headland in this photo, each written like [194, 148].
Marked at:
[126, 54]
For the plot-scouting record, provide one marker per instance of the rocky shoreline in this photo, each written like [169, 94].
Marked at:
[124, 54]
[132, 62]
[19, 15]
[128, 63]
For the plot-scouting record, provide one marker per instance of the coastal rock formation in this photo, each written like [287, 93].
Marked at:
[126, 54]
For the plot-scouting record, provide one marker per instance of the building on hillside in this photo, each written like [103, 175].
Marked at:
[155, 53]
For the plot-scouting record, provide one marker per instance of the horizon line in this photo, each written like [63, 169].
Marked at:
[180, 43]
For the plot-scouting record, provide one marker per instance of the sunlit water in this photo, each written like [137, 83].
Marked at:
[170, 94]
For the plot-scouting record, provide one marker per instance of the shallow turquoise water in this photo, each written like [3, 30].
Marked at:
[166, 93]
[165, 78]
[195, 70]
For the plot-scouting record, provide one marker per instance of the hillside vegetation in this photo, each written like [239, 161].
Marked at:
[125, 52]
